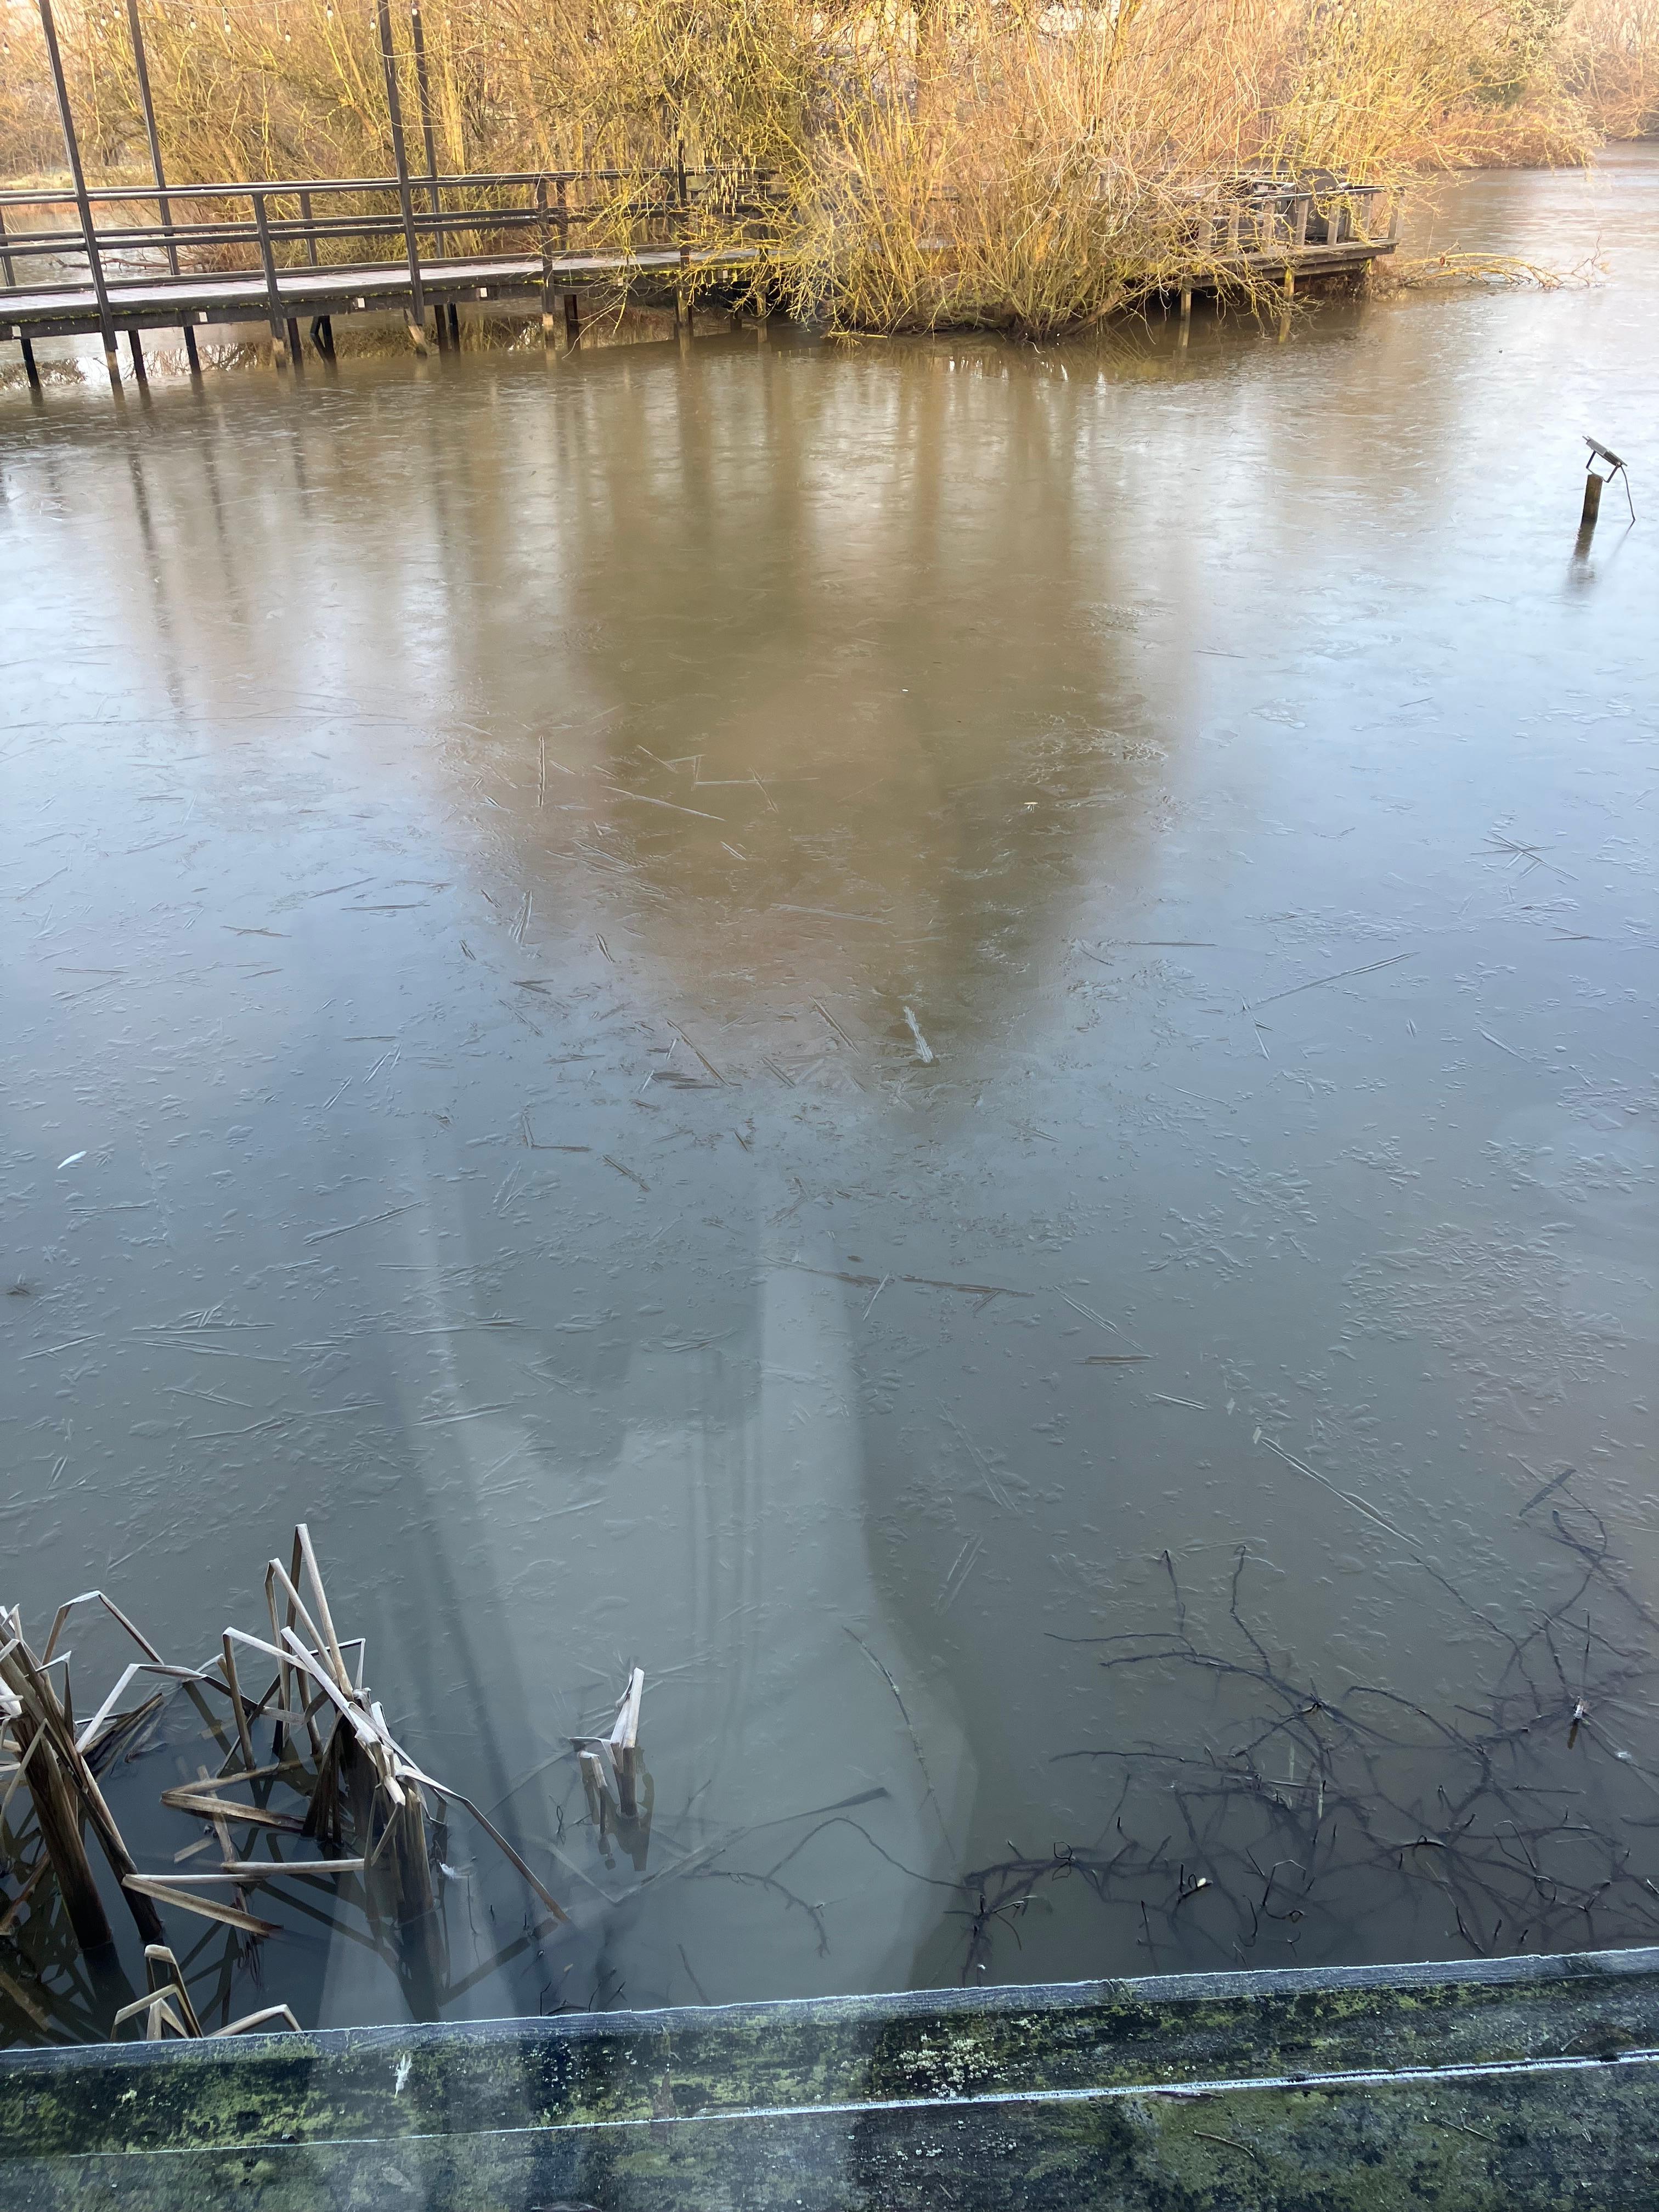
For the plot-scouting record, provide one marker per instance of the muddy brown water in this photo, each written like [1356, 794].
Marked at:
[830, 1018]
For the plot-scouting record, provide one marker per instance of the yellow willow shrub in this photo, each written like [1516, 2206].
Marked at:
[30, 141]
[1612, 65]
[1386, 86]
[1032, 167]
[998, 162]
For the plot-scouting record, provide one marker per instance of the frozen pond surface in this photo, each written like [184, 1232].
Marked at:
[828, 1018]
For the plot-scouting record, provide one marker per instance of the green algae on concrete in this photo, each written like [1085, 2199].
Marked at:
[1530, 2082]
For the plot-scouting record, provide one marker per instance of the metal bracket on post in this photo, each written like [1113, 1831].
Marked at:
[83, 201]
[405, 202]
[1594, 482]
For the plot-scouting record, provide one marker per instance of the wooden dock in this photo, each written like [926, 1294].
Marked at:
[157, 257]
[138, 275]
[152, 260]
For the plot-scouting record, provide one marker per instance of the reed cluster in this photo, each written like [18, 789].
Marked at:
[1025, 163]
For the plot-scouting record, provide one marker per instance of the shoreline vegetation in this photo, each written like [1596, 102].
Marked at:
[961, 163]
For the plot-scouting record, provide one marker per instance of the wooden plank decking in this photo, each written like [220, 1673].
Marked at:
[125, 272]
[166, 302]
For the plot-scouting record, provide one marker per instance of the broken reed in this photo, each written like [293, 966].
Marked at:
[377, 1817]
[967, 161]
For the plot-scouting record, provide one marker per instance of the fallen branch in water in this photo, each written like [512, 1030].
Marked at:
[1500, 271]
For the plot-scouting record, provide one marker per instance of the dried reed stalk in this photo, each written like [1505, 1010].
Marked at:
[63, 1788]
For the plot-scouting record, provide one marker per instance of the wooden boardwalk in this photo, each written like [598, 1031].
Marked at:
[156, 259]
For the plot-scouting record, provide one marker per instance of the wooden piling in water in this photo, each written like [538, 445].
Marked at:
[400, 158]
[82, 199]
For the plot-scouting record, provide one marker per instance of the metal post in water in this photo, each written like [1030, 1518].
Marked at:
[72, 149]
[423, 85]
[399, 155]
[545, 234]
[164, 204]
[268, 263]
[148, 104]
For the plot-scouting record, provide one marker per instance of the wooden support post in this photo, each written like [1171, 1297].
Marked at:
[405, 203]
[295, 350]
[83, 201]
[572, 320]
[31, 370]
[268, 263]
[545, 234]
[423, 87]
[1592, 503]
[137, 346]
[1185, 313]
[452, 312]
[163, 202]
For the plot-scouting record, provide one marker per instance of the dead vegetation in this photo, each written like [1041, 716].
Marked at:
[995, 162]
[337, 1806]
[1304, 1823]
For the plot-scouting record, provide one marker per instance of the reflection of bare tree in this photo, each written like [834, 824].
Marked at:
[1310, 1821]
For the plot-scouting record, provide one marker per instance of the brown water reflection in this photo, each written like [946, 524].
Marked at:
[488, 856]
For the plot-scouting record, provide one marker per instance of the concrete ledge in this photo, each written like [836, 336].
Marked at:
[1514, 2084]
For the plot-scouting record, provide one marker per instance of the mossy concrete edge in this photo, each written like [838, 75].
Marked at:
[414, 2083]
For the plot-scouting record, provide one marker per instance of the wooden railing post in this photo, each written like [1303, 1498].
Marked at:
[268, 263]
[90, 236]
[544, 233]
[399, 155]
[164, 205]
[425, 90]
